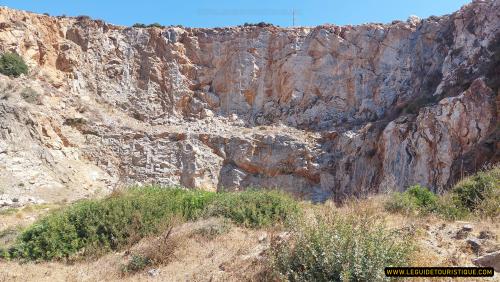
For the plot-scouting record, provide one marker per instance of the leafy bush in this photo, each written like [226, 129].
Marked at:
[254, 208]
[260, 24]
[415, 199]
[122, 219]
[12, 64]
[339, 248]
[422, 197]
[139, 25]
[400, 203]
[480, 193]
[136, 263]
[448, 208]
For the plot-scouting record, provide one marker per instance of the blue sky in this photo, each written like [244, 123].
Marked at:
[229, 13]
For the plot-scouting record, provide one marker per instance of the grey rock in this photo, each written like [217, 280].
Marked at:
[467, 228]
[153, 272]
[489, 260]
[475, 245]
[486, 234]
[122, 106]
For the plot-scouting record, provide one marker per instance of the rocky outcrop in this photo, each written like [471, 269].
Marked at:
[329, 111]
[489, 260]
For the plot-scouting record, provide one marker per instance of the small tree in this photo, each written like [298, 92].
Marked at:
[12, 64]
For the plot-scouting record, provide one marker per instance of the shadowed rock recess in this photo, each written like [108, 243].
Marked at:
[327, 111]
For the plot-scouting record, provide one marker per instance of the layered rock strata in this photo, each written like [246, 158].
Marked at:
[328, 111]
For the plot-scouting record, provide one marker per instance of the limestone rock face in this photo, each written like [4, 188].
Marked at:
[326, 111]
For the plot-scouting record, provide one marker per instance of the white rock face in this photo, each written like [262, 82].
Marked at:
[320, 112]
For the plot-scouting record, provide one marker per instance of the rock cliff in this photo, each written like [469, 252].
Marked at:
[328, 111]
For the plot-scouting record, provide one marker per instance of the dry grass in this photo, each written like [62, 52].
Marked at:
[214, 228]
[22, 217]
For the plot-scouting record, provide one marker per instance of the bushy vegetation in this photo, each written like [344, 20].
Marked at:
[477, 195]
[334, 247]
[136, 263]
[260, 24]
[83, 18]
[480, 193]
[141, 25]
[254, 208]
[156, 25]
[124, 218]
[12, 64]
[415, 199]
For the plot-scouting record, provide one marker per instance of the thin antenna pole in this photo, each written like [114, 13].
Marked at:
[293, 17]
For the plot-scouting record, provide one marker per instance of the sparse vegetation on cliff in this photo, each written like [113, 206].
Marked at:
[12, 64]
[141, 25]
[260, 24]
[31, 96]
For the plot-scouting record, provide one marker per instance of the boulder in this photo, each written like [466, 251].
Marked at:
[489, 260]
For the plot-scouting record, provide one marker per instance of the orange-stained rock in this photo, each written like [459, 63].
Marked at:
[327, 110]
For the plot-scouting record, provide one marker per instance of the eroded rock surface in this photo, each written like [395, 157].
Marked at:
[329, 111]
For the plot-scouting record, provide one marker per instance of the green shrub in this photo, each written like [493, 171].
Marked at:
[141, 25]
[339, 248]
[155, 25]
[136, 263]
[122, 219]
[448, 208]
[401, 203]
[480, 193]
[254, 208]
[422, 197]
[107, 224]
[12, 64]
[415, 199]
[260, 24]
